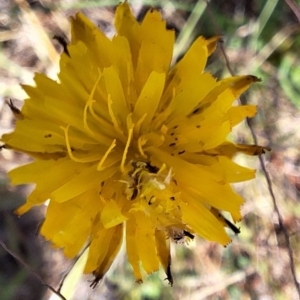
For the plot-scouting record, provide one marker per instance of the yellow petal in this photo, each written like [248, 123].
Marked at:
[111, 214]
[80, 60]
[229, 149]
[211, 44]
[114, 247]
[101, 240]
[188, 93]
[252, 149]
[132, 249]
[223, 95]
[193, 139]
[217, 137]
[198, 217]
[115, 91]
[46, 182]
[232, 172]
[238, 113]
[156, 49]
[68, 225]
[124, 65]
[127, 26]
[163, 251]
[193, 61]
[145, 242]
[149, 99]
[82, 182]
[200, 182]
[38, 136]
[99, 46]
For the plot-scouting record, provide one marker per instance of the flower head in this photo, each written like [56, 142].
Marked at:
[127, 146]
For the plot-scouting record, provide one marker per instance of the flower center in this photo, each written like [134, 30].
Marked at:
[139, 177]
[154, 192]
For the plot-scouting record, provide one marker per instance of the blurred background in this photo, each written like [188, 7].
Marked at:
[259, 38]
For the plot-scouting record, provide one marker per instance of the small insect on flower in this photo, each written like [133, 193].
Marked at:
[180, 236]
[128, 148]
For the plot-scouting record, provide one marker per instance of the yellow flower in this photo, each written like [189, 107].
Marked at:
[126, 145]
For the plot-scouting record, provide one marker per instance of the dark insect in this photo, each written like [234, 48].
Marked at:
[178, 236]
[152, 169]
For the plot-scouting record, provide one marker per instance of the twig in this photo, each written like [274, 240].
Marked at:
[294, 7]
[30, 270]
[281, 225]
[265, 172]
[271, 192]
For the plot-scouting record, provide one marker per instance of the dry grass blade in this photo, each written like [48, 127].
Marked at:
[273, 44]
[8, 35]
[271, 192]
[43, 46]
[213, 289]
[186, 35]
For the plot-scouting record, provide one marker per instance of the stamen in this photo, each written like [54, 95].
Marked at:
[112, 116]
[66, 130]
[130, 132]
[85, 125]
[168, 179]
[140, 144]
[138, 124]
[104, 124]
[90, 102]
[112, 146]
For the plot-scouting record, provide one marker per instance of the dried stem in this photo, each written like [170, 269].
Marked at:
[30, 270]
[262, 164]
[294, 7]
